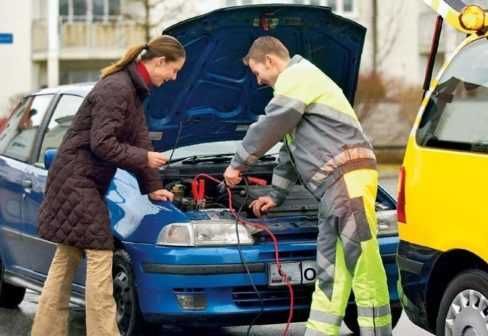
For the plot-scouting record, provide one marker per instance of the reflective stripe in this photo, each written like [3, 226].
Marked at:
[331, 113]
[281, 182]
[374, 311]
[247, 158]
[346, 156]
[281, 102]
[318, 177]
[313, 332]
[378, 331]
[324, 317]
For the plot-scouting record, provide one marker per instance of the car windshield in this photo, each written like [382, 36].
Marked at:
[212, 149]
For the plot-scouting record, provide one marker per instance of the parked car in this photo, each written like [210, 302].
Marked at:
[180, 262]
[443, 252]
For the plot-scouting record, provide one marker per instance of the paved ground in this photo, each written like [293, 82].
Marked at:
[18, 322]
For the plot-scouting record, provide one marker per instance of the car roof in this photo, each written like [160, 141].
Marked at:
[80, 89]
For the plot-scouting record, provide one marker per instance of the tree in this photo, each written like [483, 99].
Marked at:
[374, 35]
[383, 43]
[159, 13]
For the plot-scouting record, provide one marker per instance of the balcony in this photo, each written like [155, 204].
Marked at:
[80, 40]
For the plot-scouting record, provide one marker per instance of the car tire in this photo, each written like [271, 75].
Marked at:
[464, 304]
[10, 296]
[129, 317]
[351, 317]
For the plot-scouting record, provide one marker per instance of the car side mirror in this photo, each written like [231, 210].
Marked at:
[49, 157]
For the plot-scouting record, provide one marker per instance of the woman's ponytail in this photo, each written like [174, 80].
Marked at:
[129, 56]
[164, 45]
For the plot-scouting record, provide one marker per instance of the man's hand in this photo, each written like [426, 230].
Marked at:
[262, 204]
[156, 160]
[161, 195]
[232, 177]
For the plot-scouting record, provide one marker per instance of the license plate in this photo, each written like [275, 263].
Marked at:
[298, 272]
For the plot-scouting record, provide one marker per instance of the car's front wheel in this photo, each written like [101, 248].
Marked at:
[10, 296]
[464, 306]
[129, 318]
[351, 318]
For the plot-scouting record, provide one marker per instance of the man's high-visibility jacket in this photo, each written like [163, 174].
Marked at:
[322, 126]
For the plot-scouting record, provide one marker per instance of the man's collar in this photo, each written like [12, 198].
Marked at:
[294, 60]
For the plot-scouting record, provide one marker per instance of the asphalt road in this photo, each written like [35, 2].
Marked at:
[18, 322]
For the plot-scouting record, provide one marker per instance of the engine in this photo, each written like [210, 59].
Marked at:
[202, 193]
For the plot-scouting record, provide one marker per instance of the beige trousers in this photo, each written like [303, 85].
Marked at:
[52, 315]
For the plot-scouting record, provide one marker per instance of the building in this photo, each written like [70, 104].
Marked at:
[67, 41]
[404, 32]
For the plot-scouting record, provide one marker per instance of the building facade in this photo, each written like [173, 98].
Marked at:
[68, 41]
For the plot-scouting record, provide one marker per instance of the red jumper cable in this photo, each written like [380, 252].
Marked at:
[262, 227]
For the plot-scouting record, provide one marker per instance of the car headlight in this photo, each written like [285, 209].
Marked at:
[204, 233]
[387, 223]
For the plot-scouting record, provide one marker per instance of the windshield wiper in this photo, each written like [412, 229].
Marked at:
[204, 158]
[481, 146]
[217, 158]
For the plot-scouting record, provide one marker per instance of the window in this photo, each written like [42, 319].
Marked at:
[79, 76]
[17, 139]
[114, 8]
[63, 7]
[317, 2]
[60, 122]
[348, 6]
[86, 10]
[79, 9]
[456, 116]
[343, 7]
[98, 10]
[332, 4]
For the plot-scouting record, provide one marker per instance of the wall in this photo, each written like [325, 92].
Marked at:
[15, 59]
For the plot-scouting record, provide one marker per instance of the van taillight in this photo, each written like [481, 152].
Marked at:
[401, 215]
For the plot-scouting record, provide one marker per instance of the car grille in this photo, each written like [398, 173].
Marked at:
[296, 236]
[246, 297]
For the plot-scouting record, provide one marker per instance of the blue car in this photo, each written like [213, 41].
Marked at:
[189, 262]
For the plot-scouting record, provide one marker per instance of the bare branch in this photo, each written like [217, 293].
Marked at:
[391, 34]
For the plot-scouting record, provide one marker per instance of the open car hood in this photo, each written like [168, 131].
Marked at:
[216, 97]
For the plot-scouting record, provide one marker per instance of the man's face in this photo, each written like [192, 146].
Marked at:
[266, 72]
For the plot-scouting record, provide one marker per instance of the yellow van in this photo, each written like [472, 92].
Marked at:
[443, 187]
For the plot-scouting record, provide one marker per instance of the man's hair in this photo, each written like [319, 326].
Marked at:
[263, 46]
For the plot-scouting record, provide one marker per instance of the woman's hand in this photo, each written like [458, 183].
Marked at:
[161, 195]
[156, 160]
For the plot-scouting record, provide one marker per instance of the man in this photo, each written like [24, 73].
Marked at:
[326, 149]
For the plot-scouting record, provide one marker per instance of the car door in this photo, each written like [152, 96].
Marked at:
[446, 168]
[16, 145]
[55, 128]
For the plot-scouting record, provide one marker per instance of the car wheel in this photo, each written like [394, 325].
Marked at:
[10, 296]
[464, 306]
[351, 318]
[129, 319]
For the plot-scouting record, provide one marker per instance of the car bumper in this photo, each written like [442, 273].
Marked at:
[216, 277]
[415, 264]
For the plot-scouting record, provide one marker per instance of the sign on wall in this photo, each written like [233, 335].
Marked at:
[6, 38]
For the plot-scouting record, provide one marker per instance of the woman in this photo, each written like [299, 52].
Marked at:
[107, 133]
